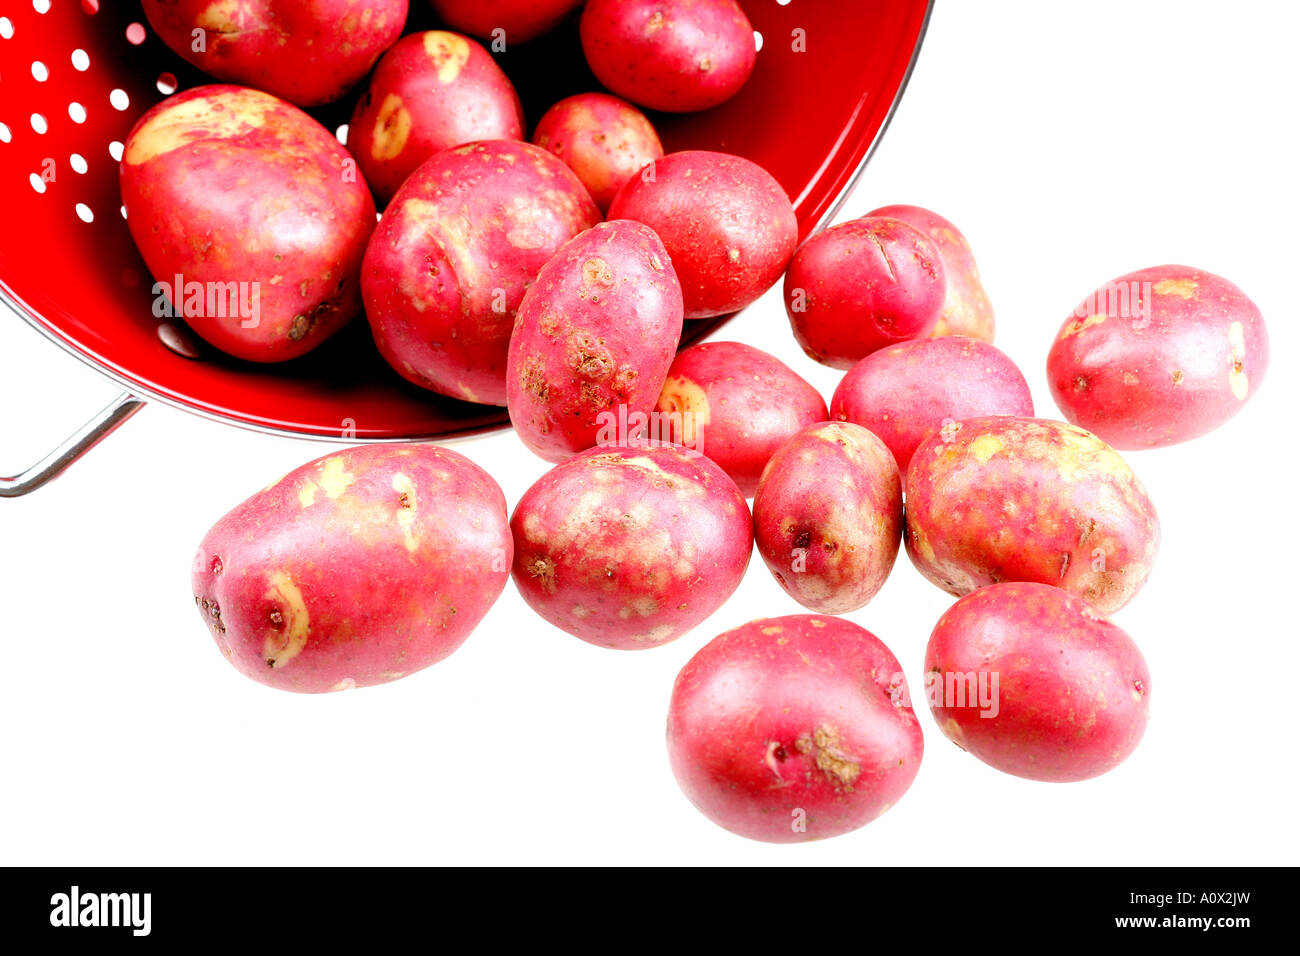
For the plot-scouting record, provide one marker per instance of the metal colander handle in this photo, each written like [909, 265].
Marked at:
[77, 444]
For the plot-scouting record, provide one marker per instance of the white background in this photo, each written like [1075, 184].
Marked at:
[1072, 143]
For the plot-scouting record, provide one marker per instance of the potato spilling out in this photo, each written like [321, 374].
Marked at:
[355, 569]
[862, 285]
[738, 405]
[1032, 681]
[1158, 356]
[1023, 499]
[727, 224]
[308, 53]
[828, 516]
[250, 216]
[630, 547]
[790, 729]
[906, 393]
[966, 306]
[603, 139]
[678, 56]
[431, 91]
[593, 340]
[449, 263]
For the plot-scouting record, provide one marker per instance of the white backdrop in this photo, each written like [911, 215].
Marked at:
[1072, 143]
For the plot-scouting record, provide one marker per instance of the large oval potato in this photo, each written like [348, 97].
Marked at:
[593, 340]
[672, 55]
[306, 51]
[1158, 356]
[431, 91]
[828, 516]
[255, 211]
[790, 729]
[738, 405]
[1023, 499]
[630, 547]
[727, 224]
[517, 20]
[450, 261]
[966, 306]
[355, 569]
[1030, 680]
[906, 393]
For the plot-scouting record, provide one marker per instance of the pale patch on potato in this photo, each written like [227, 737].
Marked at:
[681, 396]
[219, 16]
[1078, 325]
[449, 52]
[467, 393]
[772, 629]
[984, 447]
[642, 606]
[525, 216]
[952, 730]
[1237, 379]
[335, 477]
[307, 494]
[656, 635]
[346, 683]
[392, 128]
[183, 123]
[406, 509]
[1183, 288]
[284, 643]
[596, 271]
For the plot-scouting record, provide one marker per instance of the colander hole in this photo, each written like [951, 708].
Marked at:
[6, 135]
[41, 6]
[84, 213]
[758, 40]
[115, 150]
[38, 123]
[122, 210]
[40, 73]
[80, 60]
[135, 34]
[90, 6]
[166, 84]
[119, 99]
[6, 28]
[782, 3]
[37, 183]
[341, 134]
[77, 112]
[78, 162]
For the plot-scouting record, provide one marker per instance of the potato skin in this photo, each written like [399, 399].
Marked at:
[678, 56]
[862, 285]
[522, 20]
[796, 728]
[308, 53]
[1158, 357]
[727, 224]
[449, 263]
[224, 184]
[595, 334]
[828, 516]
[738, 406]
[355, 569]
[630, 547]
[431, 91]
[966, 306]
[1072, 689]
[1025, 499]
[905, 393]
[604, 140]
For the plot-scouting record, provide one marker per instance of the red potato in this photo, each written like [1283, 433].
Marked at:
[521, 20]
[630, 547]
[593, 340]
[1024, 499]
[431, 91]
[966, 306]
[457, 248]
[727, 224]
[308, 52]
[251, 217]
[828, 516]
[603, 139]
[1158, 356]
[906, 393]
[738, 405]
[860, 286]
[678, 56]
[1030, 680]
[355, 569]
[789, 729]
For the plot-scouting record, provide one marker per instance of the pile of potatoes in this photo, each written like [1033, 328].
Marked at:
[554, 278]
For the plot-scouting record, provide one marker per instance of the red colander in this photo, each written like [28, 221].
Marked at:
[76, 74]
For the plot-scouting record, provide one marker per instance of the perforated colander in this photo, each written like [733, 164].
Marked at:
[76, 74]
